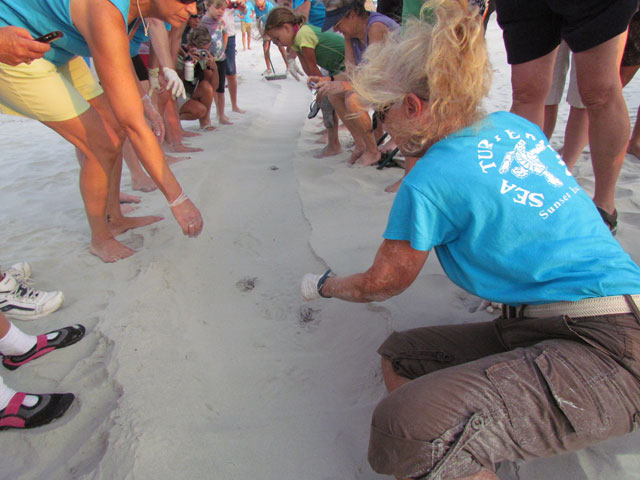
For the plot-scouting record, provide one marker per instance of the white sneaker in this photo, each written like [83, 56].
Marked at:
[268, 71]
[17, 300]
[20, 271]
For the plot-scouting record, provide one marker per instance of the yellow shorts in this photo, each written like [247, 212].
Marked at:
[47, 92]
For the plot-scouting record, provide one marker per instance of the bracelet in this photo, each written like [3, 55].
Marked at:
[323, 279]
[181, 199]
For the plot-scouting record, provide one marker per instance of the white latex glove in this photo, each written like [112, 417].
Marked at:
[310, 285]
[174, 83]
[154, 119]
[293, 69]
[153, 80]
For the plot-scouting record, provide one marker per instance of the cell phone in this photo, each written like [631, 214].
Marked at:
[50, 37]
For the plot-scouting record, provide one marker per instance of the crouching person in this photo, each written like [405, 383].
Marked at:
[560, 369]
[202, 81]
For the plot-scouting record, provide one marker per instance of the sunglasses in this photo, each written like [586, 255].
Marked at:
[187, 2]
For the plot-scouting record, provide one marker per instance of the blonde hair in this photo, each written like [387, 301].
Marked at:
[445, 64]
[282, 15]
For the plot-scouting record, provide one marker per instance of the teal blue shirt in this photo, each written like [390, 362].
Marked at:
[43, 16]
[508, 221]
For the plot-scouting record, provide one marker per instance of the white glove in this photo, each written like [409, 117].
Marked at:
[311, 285]
[174, 83]
[153, 80]
[293, 69]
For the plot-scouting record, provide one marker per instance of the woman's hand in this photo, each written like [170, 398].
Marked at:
[188, 217]
[155, 120]
[313, 80]
[330, 88]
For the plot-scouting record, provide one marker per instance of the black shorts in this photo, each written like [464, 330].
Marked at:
[141, 68]
[533, 28]
[631, 55]
[222, 75]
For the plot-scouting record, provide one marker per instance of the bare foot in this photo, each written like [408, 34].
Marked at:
[144, 185]
[357, 153]
[187, 133]
[207, 128]
[367, 158]
[180, 148]
[110, 250]
[328, 152]
[393, 188]
[125, 209]
[224, 120]
[238, 110]
[118, 227]
[126, 198]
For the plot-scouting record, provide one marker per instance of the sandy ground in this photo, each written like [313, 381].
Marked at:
[201, 360]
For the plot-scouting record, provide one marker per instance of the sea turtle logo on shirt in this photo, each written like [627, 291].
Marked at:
[528, 162]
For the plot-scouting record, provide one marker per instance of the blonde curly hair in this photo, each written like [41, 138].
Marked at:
[445, 64]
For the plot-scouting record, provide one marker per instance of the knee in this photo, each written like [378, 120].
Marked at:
[530, 90]
[596, 95]
[352, 102]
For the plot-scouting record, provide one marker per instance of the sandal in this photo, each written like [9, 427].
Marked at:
[314, 108]
[49, 407]
[66, 336]
[610, 219]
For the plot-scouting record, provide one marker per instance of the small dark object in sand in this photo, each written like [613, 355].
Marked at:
[246, 284]
[307, 314]
[273, 167]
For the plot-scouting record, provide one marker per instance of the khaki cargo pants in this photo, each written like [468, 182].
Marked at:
[511, 389]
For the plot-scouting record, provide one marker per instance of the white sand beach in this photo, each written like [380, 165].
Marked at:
[201, 360]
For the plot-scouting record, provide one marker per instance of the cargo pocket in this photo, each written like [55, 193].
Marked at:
[546, 395]
[526, 398]
[581, 393]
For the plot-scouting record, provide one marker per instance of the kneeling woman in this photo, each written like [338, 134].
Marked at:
[202, 88]
[560, 369]
[316, 49]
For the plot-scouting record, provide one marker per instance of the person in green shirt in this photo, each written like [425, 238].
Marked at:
[316, 49]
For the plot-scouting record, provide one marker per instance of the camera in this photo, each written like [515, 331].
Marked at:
[203, 53]
[234, 4]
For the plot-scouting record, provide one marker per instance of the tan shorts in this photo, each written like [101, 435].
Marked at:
[564, 59]
[245, 27]
[512, 389]
[47, 92]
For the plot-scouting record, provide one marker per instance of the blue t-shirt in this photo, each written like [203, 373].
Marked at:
[44, 16]
[508, 221]
[263, 14]
[316, 11]
[247, 16]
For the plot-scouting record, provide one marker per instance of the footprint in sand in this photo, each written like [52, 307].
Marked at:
[246, 284]
[307, 314]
